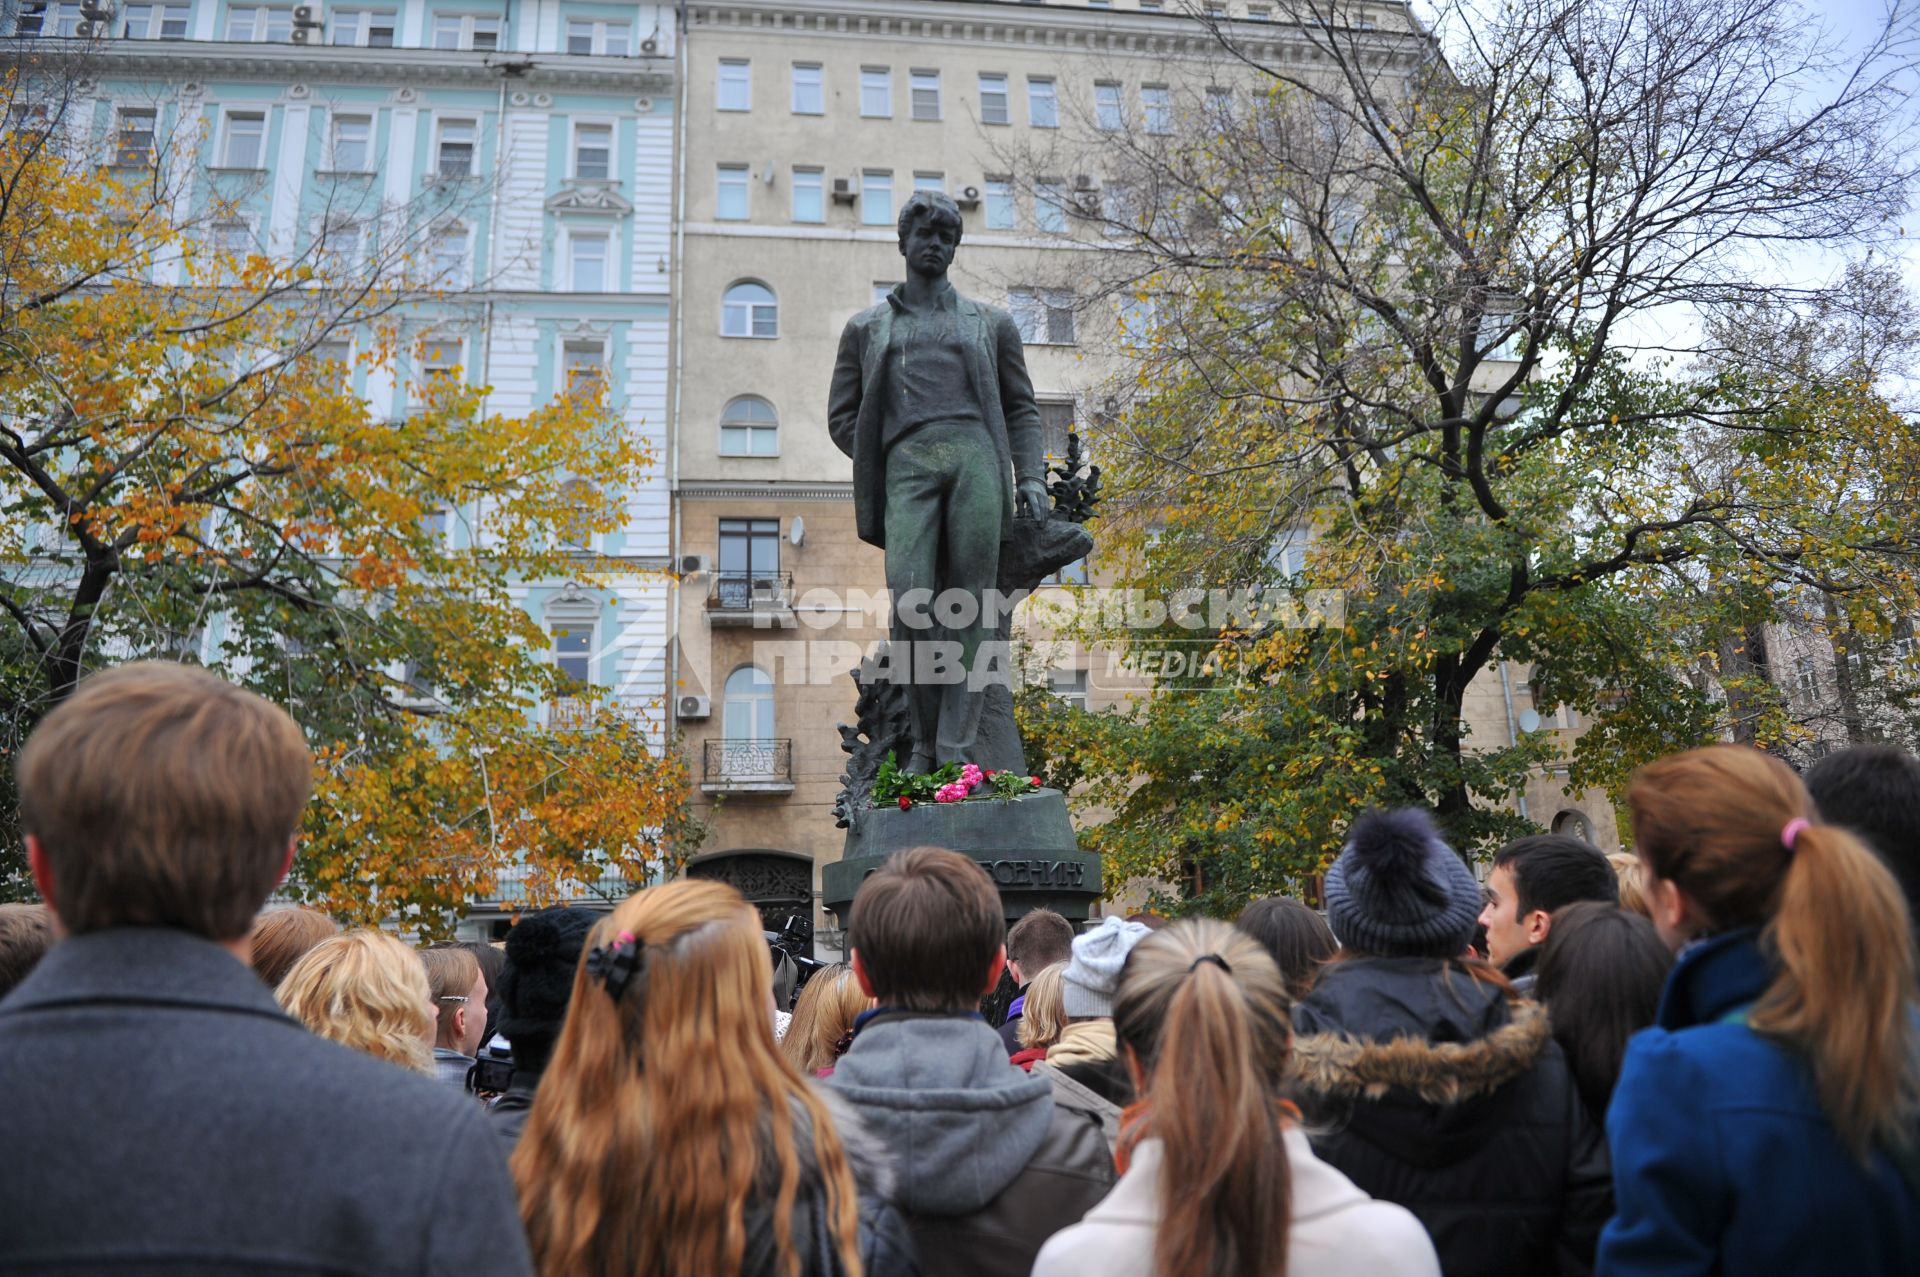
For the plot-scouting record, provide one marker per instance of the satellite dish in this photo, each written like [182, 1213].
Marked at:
[1529, 720]
[797, 530]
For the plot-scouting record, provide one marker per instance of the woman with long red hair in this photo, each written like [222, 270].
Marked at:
[1767, 1123]
[670, 1136]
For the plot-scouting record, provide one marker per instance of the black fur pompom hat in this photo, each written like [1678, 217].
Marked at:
[542, 951]
[1398, 890]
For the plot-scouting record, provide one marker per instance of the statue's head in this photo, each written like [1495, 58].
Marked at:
[933, 220]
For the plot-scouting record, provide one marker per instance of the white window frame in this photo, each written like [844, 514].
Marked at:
[750, 310]
[721, 174]
[118, 154]
[553, 648]
[363, 22]
[928, 180]
[1051, 96]
[994, 84]
[1033, 311]
[1156, 105]
[228, 114]
[876, 83]
[574, 128]
[805, 177]
[875, 180]
[422, 376]
[327, 252]
[599, 35]
[1051, 204]
[734, 74]
[576, 238]
[57, 19]
[440, 125]
[156, 18]
[466, 31]
[754, 429]
[261, 24]
[1109, 96]
[462, 274]
[797, 82]
[998, 209]
[334, 120]
[923, 80]
[571, 373]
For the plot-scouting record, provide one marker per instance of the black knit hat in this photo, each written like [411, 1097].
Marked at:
[542, 951]
[1398, 890]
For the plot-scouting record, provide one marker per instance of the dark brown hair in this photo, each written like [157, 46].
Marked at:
[1206, 1012]
[1294, 936]
[1600, 973]
[282, 936]
[926, 926]
[1711, 821]
[26, 933]
[164, 797]
[1039, 939]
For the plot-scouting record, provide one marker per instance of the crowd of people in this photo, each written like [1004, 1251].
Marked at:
[1701, 1057]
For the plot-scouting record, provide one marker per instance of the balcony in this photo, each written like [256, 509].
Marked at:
[759, 600]
[570, 713]
[747, 767]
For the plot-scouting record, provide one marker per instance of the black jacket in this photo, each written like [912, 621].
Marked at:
[508, 1113]
[165, 1118]
[886, 1247]
[1448, 1095]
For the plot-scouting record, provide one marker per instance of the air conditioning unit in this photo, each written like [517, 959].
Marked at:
[90, 30]
[969, 197]
[306, 15]
[649, 45]
[1086, 182]
[692, 563]
[96, 13]
[696, 707]
[844, 191]
[302, 35]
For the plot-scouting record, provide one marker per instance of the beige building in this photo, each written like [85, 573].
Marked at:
[804, 127]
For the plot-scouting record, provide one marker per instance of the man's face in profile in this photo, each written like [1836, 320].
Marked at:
[930, 243]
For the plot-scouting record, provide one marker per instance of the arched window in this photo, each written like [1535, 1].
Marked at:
[749, 427]
[749, 310]
[747, 711]
[1574, 823]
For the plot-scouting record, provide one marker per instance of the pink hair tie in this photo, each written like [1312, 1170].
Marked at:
[1791, 830]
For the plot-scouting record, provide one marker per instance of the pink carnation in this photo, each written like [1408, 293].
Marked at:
[950, 793]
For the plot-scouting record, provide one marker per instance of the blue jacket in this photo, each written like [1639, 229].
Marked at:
[1723, 1160]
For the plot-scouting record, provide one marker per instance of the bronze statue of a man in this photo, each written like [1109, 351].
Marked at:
[932, 401]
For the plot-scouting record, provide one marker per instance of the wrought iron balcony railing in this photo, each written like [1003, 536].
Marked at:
[748, 766]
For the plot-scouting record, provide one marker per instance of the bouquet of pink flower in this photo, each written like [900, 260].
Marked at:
[953, 783]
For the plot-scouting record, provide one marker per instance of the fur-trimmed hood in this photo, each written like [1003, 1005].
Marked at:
[1444, 1073]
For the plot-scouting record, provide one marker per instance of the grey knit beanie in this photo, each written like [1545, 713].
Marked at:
[1086, 986]
[1398, 890]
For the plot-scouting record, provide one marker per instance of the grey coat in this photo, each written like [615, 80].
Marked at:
[998, 371]
[164, 1117]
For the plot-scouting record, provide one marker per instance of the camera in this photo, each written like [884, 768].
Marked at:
[792, 946]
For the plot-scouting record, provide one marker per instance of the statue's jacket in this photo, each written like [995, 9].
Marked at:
[997, 371]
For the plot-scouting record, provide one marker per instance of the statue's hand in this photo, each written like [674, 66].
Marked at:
[1033, 501]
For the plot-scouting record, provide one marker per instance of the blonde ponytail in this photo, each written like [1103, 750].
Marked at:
[1204, 1008]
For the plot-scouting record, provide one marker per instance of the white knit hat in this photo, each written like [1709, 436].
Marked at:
[1086, 986]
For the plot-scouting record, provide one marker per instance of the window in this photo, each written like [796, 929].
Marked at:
[749, 428]
[1070, 685]
[40, 18]
[156, 22]
[876, 198]
[351, 149]
[1043, 106]
[749, 547]
[1107, 113]
[1043, 316]
[1056, 423]
[341, 240]
[453, 150]
[587, 36]
[999, 204]
[1050, 206]
[245, 143]
[749, 310]
[1804, 675]
[993, 100]
[730, 203]
[573, 652]
[1157, 104]
[133, 136]
[925, 181]
[259, 24]
[365, 28]
[583, 362]
[1287, 554]
[876, 92]
[924, 94]
[466, 31]
[734, 90]
[587, 263]
[1149, 6]
[1219, 107]
[809, 199]
[441, 359]
[447, 257]
[746, 709]
[334, 356]
[1259, 13]
[809, 89]
[593, 152]
[882, 289]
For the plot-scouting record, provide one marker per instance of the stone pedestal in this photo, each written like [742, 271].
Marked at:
[1026, 844]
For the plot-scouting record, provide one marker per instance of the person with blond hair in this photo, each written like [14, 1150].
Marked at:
[1045, 1018]
[1218, 1179]
[366, 990]
[670, 1136]
[1626, 868]
[822, 1026]
[282, 936]
[177, 1120]
[1766, 1123]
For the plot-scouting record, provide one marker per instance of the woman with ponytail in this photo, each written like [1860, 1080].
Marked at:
[669, 1136]
[1218, 1180]
[1767, 1122]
